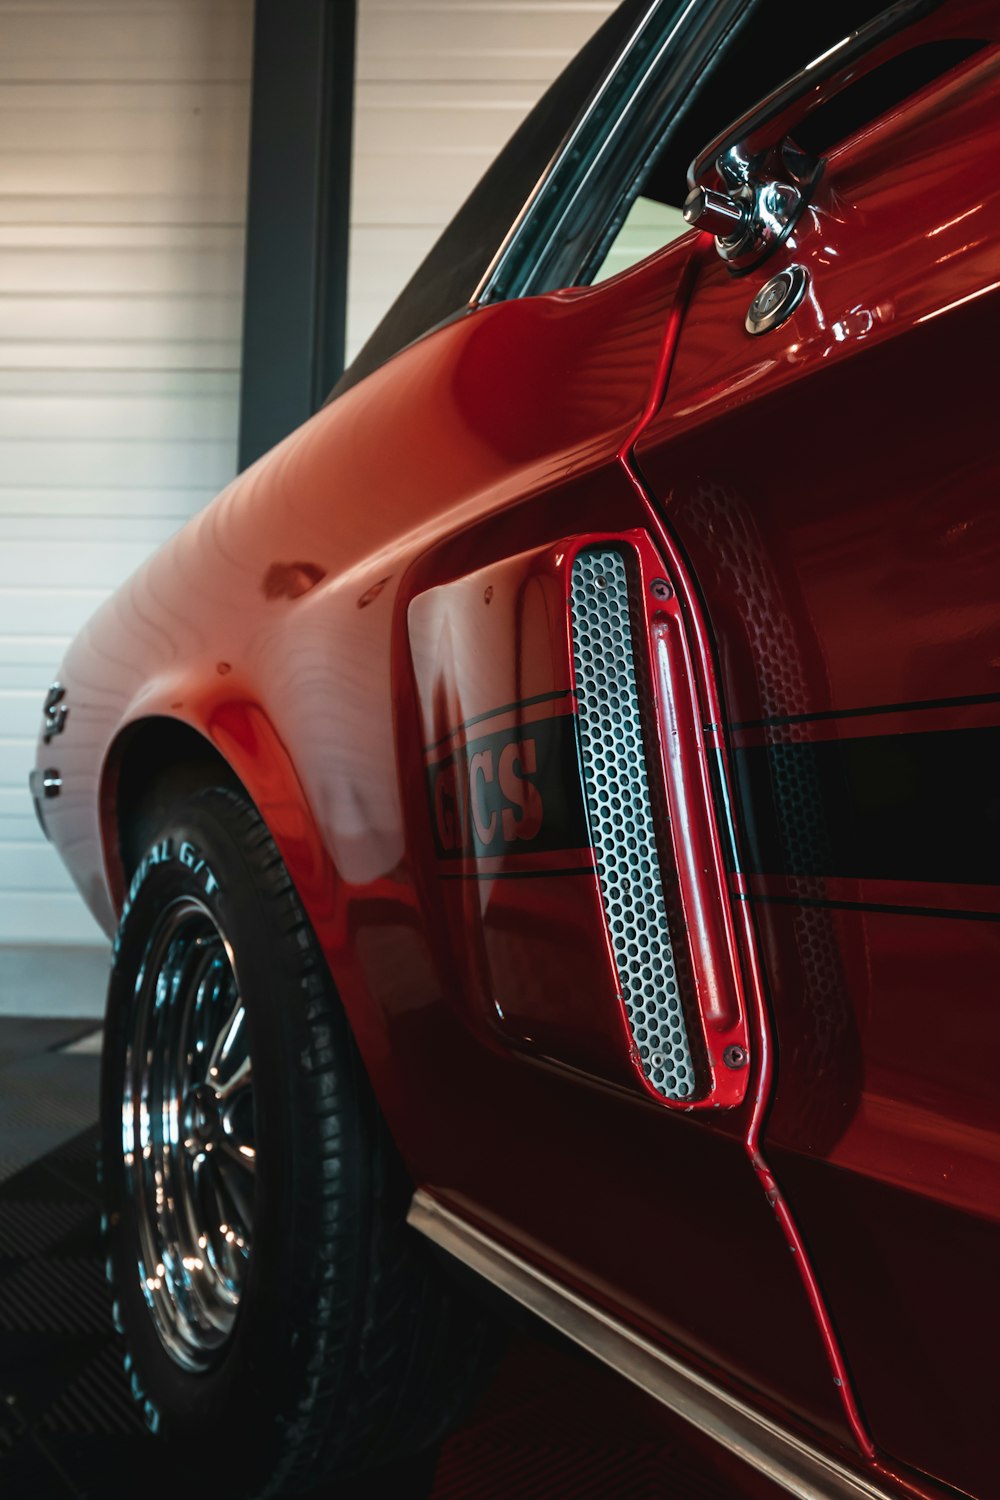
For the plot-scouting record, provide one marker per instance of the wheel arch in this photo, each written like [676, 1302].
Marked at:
[158, 757]
[151, 761]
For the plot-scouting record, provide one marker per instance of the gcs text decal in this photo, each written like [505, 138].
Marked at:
[516, 790]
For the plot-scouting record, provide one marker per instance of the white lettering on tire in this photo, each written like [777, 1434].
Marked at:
[162, 853]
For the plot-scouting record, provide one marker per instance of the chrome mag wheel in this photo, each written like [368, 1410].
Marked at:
[188, 1133]
[272, 1300]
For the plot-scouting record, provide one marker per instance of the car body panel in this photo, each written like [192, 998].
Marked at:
[843, 525]
[277, 625]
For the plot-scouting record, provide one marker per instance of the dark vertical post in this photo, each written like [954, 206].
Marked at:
[298, 209]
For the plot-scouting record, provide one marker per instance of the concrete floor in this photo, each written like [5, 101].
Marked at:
[53, 981]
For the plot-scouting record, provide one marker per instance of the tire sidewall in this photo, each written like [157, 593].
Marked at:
[240, 1399]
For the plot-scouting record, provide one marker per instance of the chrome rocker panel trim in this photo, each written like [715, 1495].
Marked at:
[782, 1456]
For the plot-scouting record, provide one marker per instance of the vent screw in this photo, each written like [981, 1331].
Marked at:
[600, 582]
[660, 589]
[735, 1057]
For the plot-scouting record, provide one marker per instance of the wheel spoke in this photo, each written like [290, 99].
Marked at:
[238, 1152]
[238, 1190]
[225, 1044]
[230, 1237]
[205, 1017]
[208, 1196]
[187, 1068]
[219, 1281]
[240, 1078]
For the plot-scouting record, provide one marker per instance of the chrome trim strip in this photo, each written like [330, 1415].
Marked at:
[851, 49]
[566, 146]
[783, 1457]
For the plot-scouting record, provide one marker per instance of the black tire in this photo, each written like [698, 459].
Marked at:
[351, 1349]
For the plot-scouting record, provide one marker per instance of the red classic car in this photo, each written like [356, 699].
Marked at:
[548, 807]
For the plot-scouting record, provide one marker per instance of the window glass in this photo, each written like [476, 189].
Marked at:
[567, 232]
[443, 284]
[656, 82]
[648, 227]
[644, 216]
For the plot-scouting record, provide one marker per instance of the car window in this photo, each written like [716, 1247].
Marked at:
[641, 210]
[567, 230]
[648, 226]
[697, 82]
[443, 285]
[594, 179]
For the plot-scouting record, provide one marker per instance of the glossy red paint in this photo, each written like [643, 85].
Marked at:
[494, 437]
[333, 623]
[749, 964]
[851, 588]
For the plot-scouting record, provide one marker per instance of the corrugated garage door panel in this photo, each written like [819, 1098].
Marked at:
[442, 85]
[71, 41]
[123, 158]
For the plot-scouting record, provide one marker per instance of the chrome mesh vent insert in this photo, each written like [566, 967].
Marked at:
[621, 820]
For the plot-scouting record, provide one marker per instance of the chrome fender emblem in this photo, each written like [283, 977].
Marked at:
[56, 712]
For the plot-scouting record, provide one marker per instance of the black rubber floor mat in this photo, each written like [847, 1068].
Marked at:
[554, 1426]
[47, 1097]
[26, 1036]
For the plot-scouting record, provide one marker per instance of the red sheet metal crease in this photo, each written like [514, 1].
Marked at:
[707, 688]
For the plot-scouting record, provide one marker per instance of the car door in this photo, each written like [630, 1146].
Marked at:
[833, 482]
[651, 1201]
[547, 1129]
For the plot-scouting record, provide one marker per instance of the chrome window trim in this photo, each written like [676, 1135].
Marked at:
[792, 93]
[496, 266]
[784, 1457]
[706, 23]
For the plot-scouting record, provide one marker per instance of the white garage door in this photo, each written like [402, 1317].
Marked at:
[123, 142]
[442, 85]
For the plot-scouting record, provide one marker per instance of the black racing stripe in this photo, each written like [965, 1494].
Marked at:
[884, 807]
[971, 700]
[513, 791]
[494, 713]
[887, 907]
[724, 808]
[517, 874]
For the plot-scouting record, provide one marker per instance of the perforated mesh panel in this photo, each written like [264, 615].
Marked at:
[621, 821]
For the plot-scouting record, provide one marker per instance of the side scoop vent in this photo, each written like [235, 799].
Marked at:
[613, 759]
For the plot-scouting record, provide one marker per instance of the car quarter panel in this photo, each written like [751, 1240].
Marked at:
[277, 625]
[834, 485]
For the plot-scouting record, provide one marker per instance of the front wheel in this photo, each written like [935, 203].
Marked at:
[277, 1312]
